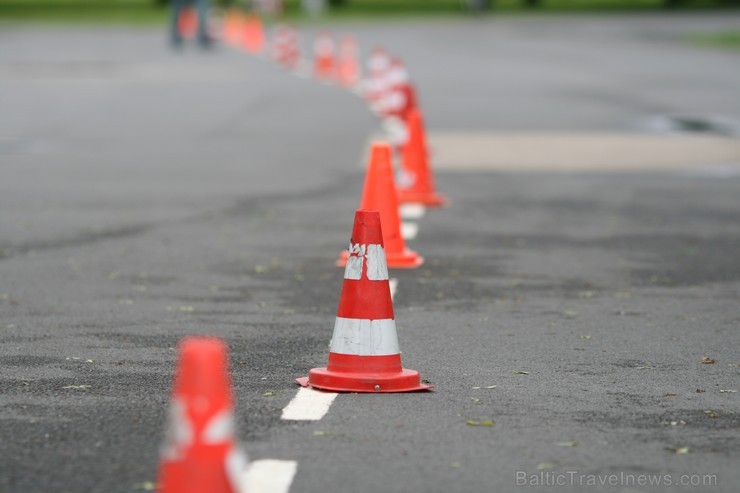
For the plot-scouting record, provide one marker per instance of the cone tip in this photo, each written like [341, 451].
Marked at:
[202, 344]
[367, 217]
[380, 144]
[202, 366]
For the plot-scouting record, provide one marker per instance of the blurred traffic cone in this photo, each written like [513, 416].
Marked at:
[377, 66]
[379, 194]
[200, 454]
[399, 96]
[324, 56]
[348, 70]
[233, 26]
[187, 23]
[285, 46]
[364, 355]
[416, 183]
[253, 33]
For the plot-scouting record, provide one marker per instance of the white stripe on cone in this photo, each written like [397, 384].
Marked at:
[364, 337]
[377, 269]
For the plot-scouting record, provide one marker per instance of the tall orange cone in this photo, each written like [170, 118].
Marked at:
[379, 194]
[416, 183]
[200, 453]
[364, 355]
[253, 37]
[348, 66]
[323, 49]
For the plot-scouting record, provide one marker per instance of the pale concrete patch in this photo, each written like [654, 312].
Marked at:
[579, 151]
[269, 476]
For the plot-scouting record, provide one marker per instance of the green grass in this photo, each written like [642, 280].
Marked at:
[148, 12]
[90, 11]
[723, 39]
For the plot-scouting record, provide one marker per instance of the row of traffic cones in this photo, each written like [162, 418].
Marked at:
[387, 89]
[200, 452]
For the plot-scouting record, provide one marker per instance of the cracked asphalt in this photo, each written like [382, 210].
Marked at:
[146, 195]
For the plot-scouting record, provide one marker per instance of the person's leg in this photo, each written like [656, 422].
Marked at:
[203, 37]
[175, 11]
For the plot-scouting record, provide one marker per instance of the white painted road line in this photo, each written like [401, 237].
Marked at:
[394, 286]
[308, 405]
[409, 230]
[412, 211]
[269, 476]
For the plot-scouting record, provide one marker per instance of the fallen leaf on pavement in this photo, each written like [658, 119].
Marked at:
[146, 486]
[677, 422]
[483, 422]
[678, 450]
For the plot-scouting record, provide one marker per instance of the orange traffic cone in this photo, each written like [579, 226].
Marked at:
[200, 453]
[348, 69]
[379, 194]
[323, 49]
[364, 354]
[233, 26]
[285, 46]
[253, 39]
[377, 66]
[187, 23]
[417, 183]
[399, 97]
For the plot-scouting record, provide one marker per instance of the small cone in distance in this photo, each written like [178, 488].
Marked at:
[348, 65]
[254, 33]
[379, 193]
[285, 46]
[200, 452]
[364, 354]
[417, 182]
[324, 56]
[378, 64]
[232, 26]
[187, 23]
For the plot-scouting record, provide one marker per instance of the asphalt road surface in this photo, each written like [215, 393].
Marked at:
[147, 195]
